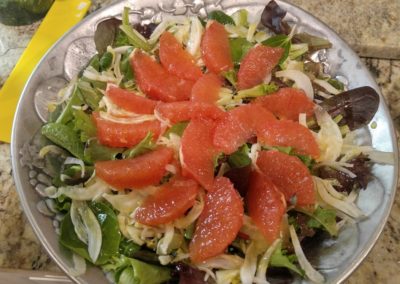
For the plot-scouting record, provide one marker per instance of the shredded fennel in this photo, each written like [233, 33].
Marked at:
[329, 137]
[87, 227]
[164, 244]
[263, 263]
[79, 192]
[311, 273]
[331, 197]
[192, 215]
[79, 266]
[249, 267]
[302, 81]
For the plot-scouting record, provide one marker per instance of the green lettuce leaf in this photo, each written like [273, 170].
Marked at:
[129, 270]
[281, 259]
[239, 48]
[240, 158]
[105, 61]
[257, 91]
[75, 100]
[220, 17]
[94, 151]
[146, 145]
[90, 95]
[323, 218]
[84, 125]
[128, 247]
[283, 41]
[65, 137]
[109, 228]
[177, 129]
[231, 76]
[125, 67]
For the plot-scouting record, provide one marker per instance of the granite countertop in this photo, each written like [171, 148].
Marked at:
[371, 27]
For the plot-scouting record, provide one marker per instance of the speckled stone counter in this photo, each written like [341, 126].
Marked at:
[371, 27]
[377, 35]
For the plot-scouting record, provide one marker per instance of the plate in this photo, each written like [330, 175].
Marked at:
[336, 259]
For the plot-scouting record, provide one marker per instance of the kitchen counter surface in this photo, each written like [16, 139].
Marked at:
[19, 247]
[370, 27]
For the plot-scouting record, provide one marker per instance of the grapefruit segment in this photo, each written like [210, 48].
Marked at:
[215, 49]
[266, 206]
[206, 89]
[156, 82]
[145, 170]
[287, 103]
[219, 223]
[184, 111]
[288, 133]
[168, 203]
[176, 60]
[130, 101]
[198, 152]
[256, 65]
[239, 125]
[290, 175]
[116, 134]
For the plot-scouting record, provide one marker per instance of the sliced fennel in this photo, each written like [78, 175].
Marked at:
[79, 192]
[196, 32]
[227, 276]
[301, 80]
[224, 261]
[297, 50]
[51, 149]
[104, 76]
[240, 17]
[163, 246]
[79, 265]
[192, 215]
[329, 137]
[330, 196]
[328, 87]
[249, 267]
[76, 161]
[127, 120]
[263, 263]
[87, 227]
[165, 24]
[125, 203]
[311, 273]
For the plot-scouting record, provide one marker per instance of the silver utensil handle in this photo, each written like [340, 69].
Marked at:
[19, 276]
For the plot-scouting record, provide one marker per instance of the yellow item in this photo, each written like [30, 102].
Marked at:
[62, 15]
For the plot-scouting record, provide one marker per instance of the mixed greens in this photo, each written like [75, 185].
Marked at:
[99, 216]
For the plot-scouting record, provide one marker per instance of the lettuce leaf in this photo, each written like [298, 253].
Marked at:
[240, 158]
[146, 145]
[280, 258]
[84, 125]
[324, 219]
[221, 17]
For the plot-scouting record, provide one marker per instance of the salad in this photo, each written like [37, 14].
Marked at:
[205, 151]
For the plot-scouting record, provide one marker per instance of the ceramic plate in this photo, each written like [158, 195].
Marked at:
[336, 259]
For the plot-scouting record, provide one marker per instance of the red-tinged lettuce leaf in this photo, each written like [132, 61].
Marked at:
[361, 168]
[357, 106]
[106, 33]
[299, 221]
[189, 275]
[145, 29]
[272, 18]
